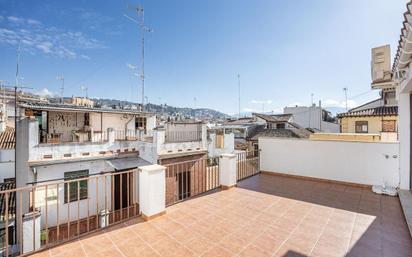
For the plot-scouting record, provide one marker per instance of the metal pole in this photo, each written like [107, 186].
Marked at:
[346, 97]
[238, 82]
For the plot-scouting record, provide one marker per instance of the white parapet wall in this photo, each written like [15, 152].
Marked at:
[368, 163]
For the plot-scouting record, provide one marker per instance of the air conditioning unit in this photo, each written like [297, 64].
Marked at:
[381, 63]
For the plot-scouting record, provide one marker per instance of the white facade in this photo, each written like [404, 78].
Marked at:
[404, 128]
[311, 117]
[228, 145]
[368, 163]
[6, 164]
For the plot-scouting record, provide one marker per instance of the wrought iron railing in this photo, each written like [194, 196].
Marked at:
[73, 137]
[47, 214]
[247, 164]
[183, 136]
[191, 178]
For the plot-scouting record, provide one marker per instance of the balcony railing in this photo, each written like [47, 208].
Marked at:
[183, 136]
[55, 212]
[130, 134]
[247, 164]
[191, 178]
[74, 137]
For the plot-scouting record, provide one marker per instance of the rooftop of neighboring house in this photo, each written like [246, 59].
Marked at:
[240, 121]
[377, 111]
[7, 139]
[403, 56]
[284, 133]
[282, 117]
[372, 104]
[76, 108]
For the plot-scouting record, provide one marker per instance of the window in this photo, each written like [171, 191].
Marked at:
[220, 141]
[255, 149]
[361, 127]
[72, 187]
[389, 126]
[280, 126]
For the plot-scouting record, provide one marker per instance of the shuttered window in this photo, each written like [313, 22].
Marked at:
[220, 141]
[75, 187]
[389, 126]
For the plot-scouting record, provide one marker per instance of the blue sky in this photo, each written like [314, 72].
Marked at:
[283, 50]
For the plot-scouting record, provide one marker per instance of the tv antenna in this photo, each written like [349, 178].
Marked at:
[345, 89]
[61, 78]
[143, 30]
[85, 89]
[238, 84]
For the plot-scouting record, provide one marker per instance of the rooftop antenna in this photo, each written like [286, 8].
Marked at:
[345, 89]
[143, 29]
[311, 99]
[61, 78]
[238, 83]
[85, 89]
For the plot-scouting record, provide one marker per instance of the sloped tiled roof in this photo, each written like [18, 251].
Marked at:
[266, 117]
[7, 140]
[282, 117]
[378, 111]
[285, 133]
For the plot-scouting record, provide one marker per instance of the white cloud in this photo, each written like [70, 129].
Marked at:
[15, 19]
[249, 110]
[131, 66]
[86, 57]
[45, 93]
[33, 22]
[45, 47]
[261, 101]
[338, 104]
[36, 37]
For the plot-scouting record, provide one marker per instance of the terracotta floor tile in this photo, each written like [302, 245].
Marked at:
[254, 251]
[170, 247]
[96, 244]
[217, 251]
[107, 252]
[215, 234]
[234, 244]
[131, 247]
[268, 243]
[45, 253]
[262, 216]
[199, 245]
[152, 235]
[65, 248]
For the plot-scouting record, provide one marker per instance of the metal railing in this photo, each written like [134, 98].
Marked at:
[52, 213]
[191, 178]
[74, 137]
[183, 136]
[247, 164]
[129, 134]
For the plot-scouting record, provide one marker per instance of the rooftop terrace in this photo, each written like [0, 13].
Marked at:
[266, 215]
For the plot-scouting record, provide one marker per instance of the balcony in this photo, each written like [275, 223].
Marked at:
[266, 215]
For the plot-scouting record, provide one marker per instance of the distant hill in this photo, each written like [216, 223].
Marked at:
[184, 112]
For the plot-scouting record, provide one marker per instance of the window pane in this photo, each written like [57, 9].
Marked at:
[74, 186]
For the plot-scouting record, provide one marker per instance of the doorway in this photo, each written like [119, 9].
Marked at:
[123, 190]
[183, 180]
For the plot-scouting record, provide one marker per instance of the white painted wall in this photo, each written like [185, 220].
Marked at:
[6, 164]
[404, 129]
[368, 163]
[228, 145]
[56, 173]
[310, 117]
[152, 190]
